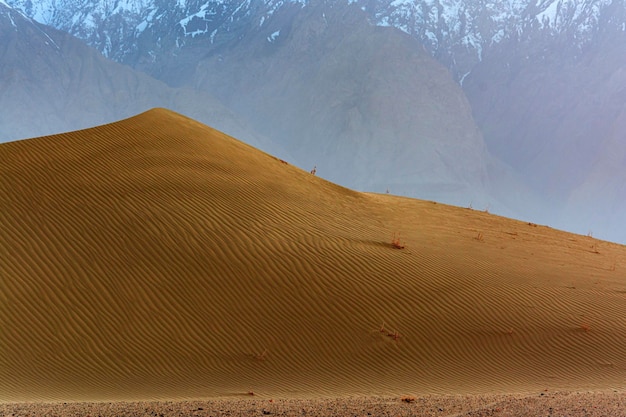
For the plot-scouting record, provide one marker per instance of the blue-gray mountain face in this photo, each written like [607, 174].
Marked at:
[458, 32]
[51, 82]
[539, 107]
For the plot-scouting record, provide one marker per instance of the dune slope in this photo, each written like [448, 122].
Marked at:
[157, 258]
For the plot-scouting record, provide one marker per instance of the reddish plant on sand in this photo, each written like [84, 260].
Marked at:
[392, 334]
[395, 242]
[395, 335]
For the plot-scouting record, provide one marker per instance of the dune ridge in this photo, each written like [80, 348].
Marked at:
[157, 258]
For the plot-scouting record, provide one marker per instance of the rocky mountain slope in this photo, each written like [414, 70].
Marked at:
[558, 119]
[555, 110]
[460, 33]
[133, 31]
[52, 82]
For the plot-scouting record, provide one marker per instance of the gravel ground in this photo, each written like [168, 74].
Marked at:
[570, 404]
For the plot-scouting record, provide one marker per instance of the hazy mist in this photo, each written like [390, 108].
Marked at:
[520, 111]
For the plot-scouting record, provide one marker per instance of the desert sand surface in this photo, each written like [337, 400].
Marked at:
[157, 259]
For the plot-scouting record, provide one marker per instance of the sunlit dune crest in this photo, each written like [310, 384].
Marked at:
[157, 258]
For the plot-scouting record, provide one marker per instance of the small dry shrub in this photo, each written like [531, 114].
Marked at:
[395, 242]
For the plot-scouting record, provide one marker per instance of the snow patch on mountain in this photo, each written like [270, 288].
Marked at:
[203, 14]
[9, 15]
[273, 36]
[144, 24]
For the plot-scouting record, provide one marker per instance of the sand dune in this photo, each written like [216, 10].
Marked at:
[157, 258]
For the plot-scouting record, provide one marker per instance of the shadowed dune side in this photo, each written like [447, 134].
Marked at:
[157, 258]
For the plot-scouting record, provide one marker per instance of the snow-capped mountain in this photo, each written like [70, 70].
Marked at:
[124, 29]
[457, 32]
[460, 32]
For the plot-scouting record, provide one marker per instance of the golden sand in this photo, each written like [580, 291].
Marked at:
[157, 258]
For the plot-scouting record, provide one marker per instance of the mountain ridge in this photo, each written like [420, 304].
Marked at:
[457, 32]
